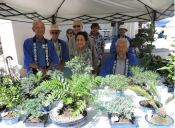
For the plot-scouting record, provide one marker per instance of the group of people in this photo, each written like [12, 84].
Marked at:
[43, 54]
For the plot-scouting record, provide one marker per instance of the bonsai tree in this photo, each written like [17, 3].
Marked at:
[33, 108]
[123, 107]
[115, 82]
[143, 41]
[11, 95]
[75, 92]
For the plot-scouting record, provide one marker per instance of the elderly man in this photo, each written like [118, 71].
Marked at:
[60, 46]
[39, 53]
[122, 31]
[120, 62]
[98, 40]
[77, 27]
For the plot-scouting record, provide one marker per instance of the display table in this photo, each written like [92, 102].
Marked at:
[102, 121]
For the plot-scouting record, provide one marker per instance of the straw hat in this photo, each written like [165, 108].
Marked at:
[54, 27]
[123, 26]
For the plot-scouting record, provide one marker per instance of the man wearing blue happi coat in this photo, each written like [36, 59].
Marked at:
[120, 62]
[39, 53]
[122, 31]
[60, 46]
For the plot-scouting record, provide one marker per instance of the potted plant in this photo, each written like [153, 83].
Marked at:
[76, 94]
[120, 112]
[160, 119]
[145, 83]
[42, 93]
[114, 84]
[32, 107]
[143, 41]
[11, 95]
[168, 70]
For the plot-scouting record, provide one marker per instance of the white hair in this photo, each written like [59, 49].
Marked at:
[78, 21]
[122, 39]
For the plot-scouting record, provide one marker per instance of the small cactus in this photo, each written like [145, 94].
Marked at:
[161, 112]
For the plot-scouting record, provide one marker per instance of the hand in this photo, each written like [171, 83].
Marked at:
[44, 72]
[95, 68]
[60, 67]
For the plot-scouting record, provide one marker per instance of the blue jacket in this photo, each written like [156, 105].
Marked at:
[107, 68]
[28, 52]
[113, 47]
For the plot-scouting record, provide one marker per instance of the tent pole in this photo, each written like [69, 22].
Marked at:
[53, 19]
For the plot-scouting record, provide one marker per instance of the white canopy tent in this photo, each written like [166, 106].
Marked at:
[88, 11]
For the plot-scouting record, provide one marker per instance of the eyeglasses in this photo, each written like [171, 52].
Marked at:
[76, 26]
[69, 33]
[54, 33]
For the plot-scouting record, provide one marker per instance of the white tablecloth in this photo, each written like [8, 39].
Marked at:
[102, 121]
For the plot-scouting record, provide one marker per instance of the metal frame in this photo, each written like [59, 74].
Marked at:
[114, 18]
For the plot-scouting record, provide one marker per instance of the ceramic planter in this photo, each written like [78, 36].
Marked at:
[73, 124]
[150, 125]
[45, 109]
[10, 121]
[145, 109]
[121, 125]
[35, 124]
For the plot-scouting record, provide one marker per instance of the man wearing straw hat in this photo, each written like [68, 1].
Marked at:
[39, 53]
[60, 46]
[122, 31]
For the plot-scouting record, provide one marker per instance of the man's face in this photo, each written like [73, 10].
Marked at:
[54, 34]
[122, 31]
[77, 27]
[94, 30]
[39, 28]
[122, 48]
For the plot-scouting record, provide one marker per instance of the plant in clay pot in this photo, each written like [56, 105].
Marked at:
[114, 84]
[120, 112]
[11, 95]
[76, 94]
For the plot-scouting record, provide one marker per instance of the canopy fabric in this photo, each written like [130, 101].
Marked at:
[88, 11]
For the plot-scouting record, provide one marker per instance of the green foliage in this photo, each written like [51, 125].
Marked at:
[11, 94]
[33, 107]
[78, 67]
[29, 83]
[140, 76]
[115, 82]
[143, 40]
[118, 104]
[169, 69]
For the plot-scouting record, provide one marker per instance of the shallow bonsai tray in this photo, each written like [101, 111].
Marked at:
[150, 125]
[74, 124]
[35, 124]
[121, 125]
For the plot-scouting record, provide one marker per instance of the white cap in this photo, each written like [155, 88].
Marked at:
[123, 26]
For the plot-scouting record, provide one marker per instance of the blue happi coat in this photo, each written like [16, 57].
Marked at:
[28, 56]
[107, 68]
